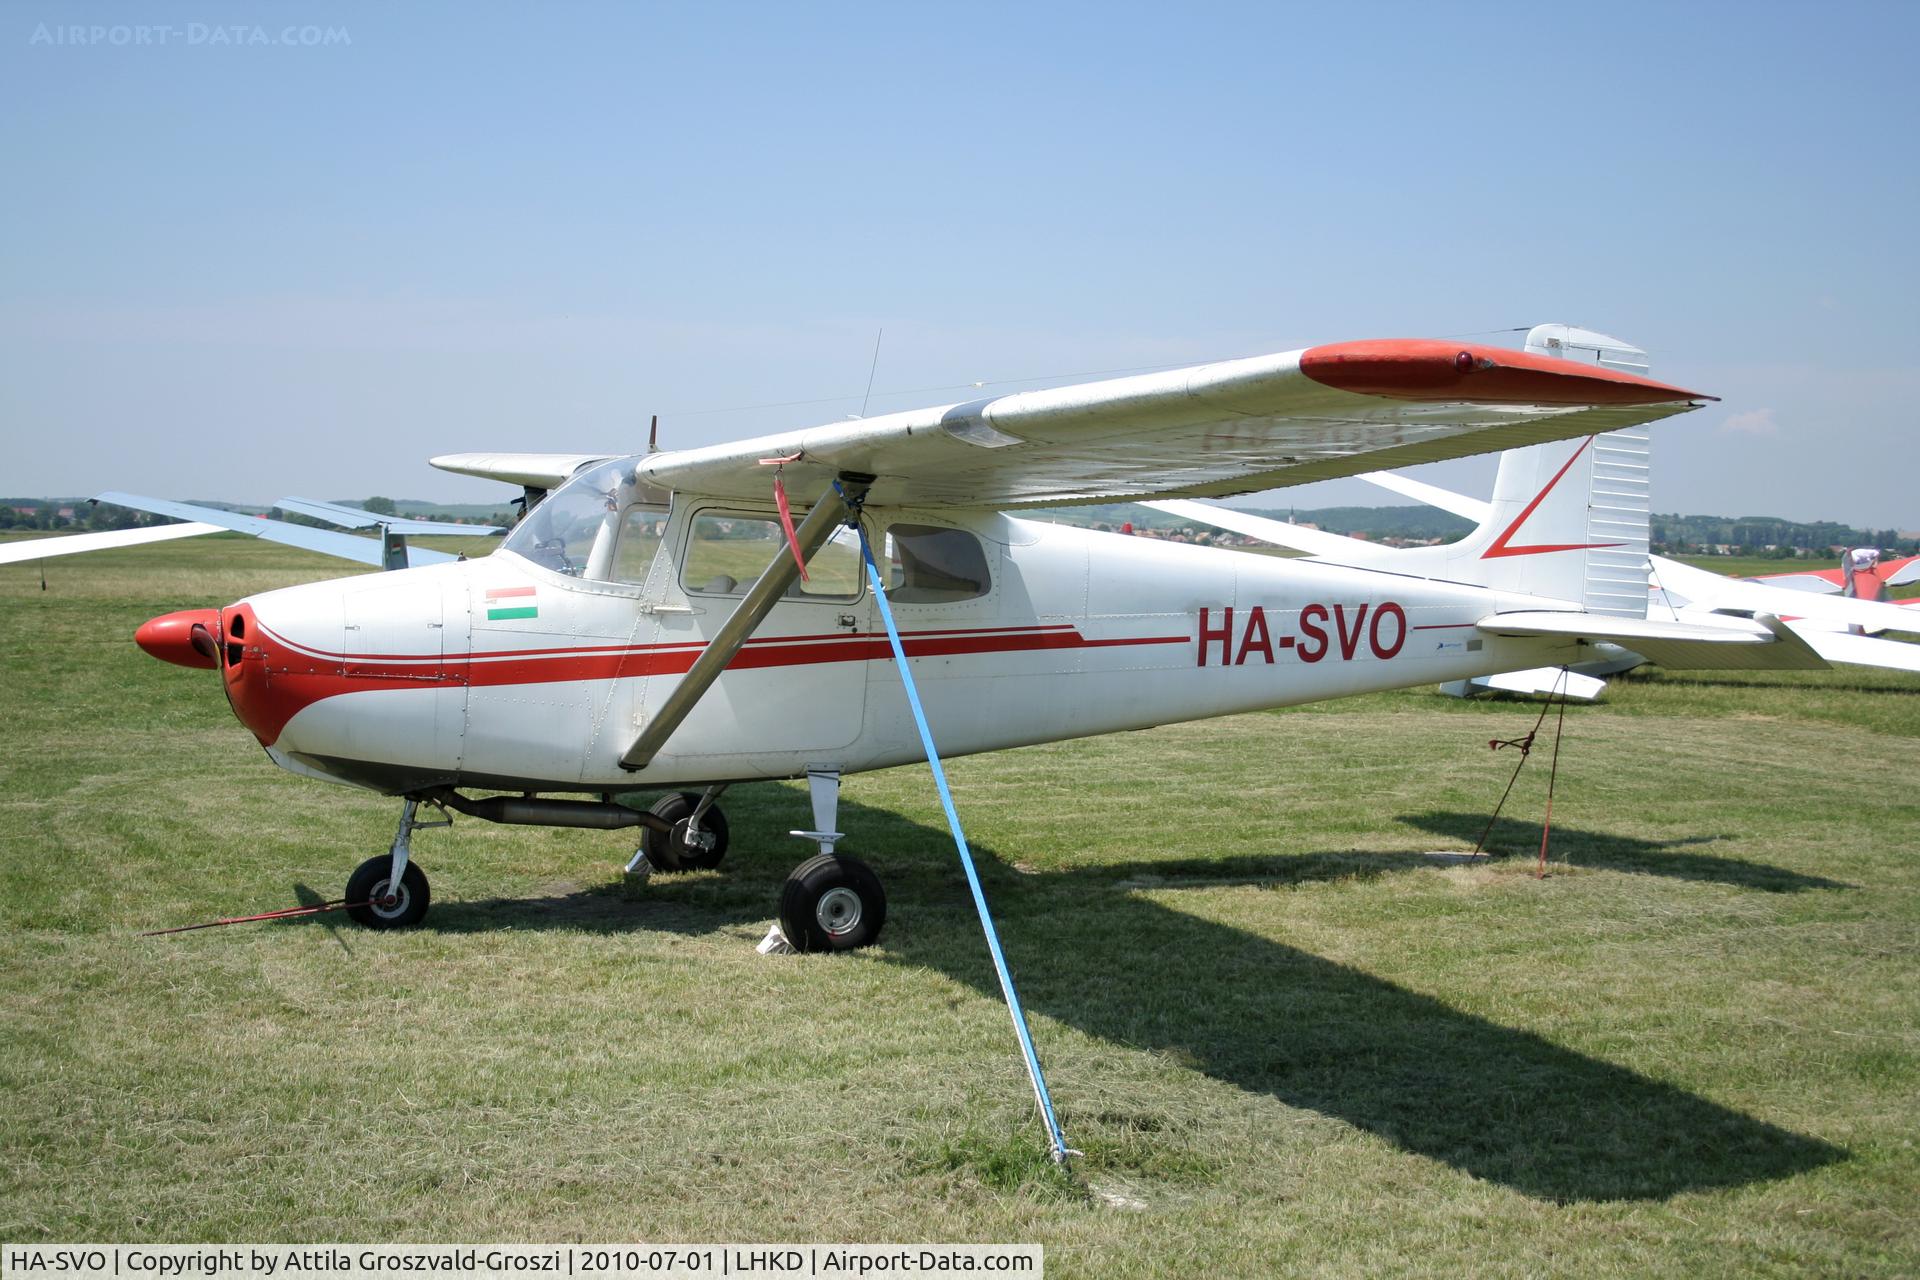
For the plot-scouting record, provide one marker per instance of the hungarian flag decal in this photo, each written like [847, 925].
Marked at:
[504, 603]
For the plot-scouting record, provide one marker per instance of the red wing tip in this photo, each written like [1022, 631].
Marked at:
[1434, 369]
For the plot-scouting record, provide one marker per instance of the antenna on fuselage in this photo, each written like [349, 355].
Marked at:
[871, 370]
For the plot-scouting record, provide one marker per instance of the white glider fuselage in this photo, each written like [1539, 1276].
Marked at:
[506, 673]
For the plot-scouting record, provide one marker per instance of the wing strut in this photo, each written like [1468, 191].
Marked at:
[1056, 1140]
[766, 591]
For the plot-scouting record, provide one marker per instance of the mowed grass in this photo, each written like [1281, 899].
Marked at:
[1285, 1041]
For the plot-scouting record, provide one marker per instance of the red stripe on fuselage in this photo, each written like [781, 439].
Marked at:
[596, 650]
[298, 677]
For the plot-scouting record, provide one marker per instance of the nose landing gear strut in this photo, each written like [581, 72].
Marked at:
[388, 891]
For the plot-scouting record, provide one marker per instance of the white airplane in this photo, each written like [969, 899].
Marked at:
[1595, 489]
[648, 624]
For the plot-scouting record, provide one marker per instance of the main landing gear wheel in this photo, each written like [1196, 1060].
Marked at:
[380, 907]
[684, 851]
[832, 903]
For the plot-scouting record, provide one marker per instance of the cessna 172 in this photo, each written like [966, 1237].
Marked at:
[655, 621]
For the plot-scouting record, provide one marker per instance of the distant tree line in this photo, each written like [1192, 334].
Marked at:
[1767, 536]
[74, 514]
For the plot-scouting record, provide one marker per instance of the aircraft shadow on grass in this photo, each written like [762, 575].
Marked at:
[1500, 1104]
[1597, 849]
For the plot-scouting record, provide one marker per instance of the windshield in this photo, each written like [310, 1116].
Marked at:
[575, 529]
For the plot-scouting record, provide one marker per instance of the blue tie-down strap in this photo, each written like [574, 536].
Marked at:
[1054, 1137]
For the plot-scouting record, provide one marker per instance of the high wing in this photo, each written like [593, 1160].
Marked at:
[1208, 431]
[1313, 542]
[75, 543]
[342, 546]
[360, 518]
[530, 470]
[1433, 495]
[1334, 547]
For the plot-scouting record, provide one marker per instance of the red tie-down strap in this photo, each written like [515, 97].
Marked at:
[285, 913]
[786, 512]
[1525, 744]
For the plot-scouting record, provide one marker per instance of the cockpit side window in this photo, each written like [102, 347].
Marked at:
[641, 529]
[934, 565]
[593, 528]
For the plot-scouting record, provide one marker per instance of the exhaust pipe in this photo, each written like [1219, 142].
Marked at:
[533, 812]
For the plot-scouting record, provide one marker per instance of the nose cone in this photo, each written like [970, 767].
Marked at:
[186, 639]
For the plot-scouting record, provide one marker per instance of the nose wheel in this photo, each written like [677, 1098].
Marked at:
[382, 905]
[389, 891]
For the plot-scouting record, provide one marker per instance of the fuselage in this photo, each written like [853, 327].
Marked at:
[536, 671]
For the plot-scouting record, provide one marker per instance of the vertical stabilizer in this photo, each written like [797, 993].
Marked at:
[1571, 519]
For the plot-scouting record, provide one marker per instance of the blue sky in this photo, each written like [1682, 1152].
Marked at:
[239, 270]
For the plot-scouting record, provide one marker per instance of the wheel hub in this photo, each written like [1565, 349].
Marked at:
[385, 902]
[838, 911]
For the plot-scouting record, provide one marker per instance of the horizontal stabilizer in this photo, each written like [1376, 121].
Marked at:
[343, 546]
[1759, 643]
[1544, 681]
[75, 543]
[360, 518]
[529, 470]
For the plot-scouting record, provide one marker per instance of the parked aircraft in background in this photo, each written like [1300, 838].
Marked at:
[1595, 491]
[1861, 575]
[388, 548]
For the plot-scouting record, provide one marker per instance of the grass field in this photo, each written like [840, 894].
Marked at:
[1285, 1041]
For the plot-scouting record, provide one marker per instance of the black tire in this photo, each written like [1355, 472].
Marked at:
[368, 887]
[832, 903]
[673, 853]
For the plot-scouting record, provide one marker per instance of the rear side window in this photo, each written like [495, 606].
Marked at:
[932, 565]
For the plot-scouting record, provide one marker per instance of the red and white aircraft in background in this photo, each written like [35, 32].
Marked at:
[1591, 497]
[1861, 575]
[647, 625]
